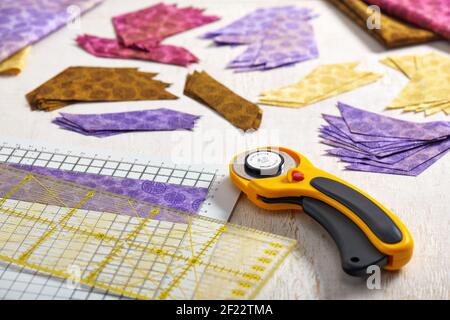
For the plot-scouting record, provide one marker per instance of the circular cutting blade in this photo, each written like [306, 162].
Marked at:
[262, 163]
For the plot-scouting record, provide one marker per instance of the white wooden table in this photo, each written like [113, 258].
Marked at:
[313, 270]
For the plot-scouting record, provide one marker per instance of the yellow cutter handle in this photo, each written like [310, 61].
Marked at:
[361, 227]
[383, 229]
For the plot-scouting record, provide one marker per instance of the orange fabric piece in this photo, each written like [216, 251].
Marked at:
[243, 114]
[94, 84]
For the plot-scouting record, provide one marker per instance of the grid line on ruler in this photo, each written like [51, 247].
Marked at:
[62, 162]
[206, 229]
[48, 157]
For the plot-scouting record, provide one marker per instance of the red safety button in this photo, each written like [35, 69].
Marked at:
[297, 176]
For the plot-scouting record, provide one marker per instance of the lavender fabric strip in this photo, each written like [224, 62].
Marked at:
[276, 37]
[383, 153]
[376, 143]
[114, 123]
[408, 163]
[415, 172]
[254, 22]
[355, 155]
[281, 44]
[337, 144]
[67, 125]
[184, 198]
[23, 22]
[375, 148]
[339, 124]
[372, 124]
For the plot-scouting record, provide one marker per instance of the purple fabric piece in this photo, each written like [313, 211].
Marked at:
[340, 125]
[374, 148]
[107, 124]
[376, 143]
[372, 124]
[408, 163]
[339, 145]
[414, 172]
[184, 198]
[254, 22]
[24, 22]
[280, 45]
[67, 125]
[394, 158]
[276, 37]
[377, 153]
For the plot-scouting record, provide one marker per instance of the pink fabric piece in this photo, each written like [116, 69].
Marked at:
[147, 27]
[111, 48]
[139, 34]
[429, 14]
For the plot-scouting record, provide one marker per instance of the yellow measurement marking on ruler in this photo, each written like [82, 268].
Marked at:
[15, 188]
[192, 262]
[66, 275]
[151, 252]
[47, 234]
[120, 246]
[50, 192]
[115, 251]
[103, 236]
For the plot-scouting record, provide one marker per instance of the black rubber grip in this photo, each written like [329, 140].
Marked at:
[356, 251]
[372, 215]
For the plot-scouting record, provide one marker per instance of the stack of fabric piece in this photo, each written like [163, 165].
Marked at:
[428, 90]
[108, 124]
[376, 143]
[203, 88]
[139, 35]
[275, 37]
[95, 84]
[391, 32]
[24, 22]
[323, 82]
[432, 15]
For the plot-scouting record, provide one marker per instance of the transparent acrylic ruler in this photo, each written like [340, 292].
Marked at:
[151, 252]
[16, 283]
[222, 195]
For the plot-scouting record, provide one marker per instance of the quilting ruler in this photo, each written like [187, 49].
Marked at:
[51, 226]
[19, 283]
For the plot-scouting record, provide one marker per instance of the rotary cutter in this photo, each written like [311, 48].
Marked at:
[365, 232]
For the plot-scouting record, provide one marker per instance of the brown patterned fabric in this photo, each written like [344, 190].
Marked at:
[88, 84]
[243, 114]
[393, 32]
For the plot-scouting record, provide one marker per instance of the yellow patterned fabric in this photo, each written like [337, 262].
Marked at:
[428, 90]
[323, 82]
[14, 64]
[393, 32]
